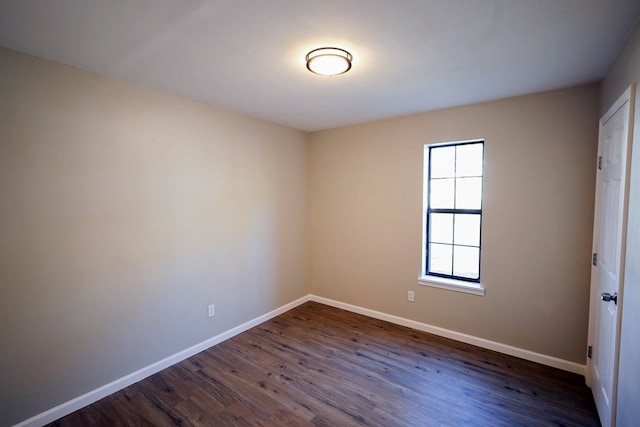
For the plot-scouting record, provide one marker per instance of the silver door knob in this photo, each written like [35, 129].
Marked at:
[606, 297]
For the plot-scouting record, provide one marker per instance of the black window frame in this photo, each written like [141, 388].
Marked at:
[454, 211]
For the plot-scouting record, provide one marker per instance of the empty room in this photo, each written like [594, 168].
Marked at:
[329, 213]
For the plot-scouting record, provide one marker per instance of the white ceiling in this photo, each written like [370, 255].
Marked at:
[248, 55]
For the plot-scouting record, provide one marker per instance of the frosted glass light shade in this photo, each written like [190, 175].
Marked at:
[329, 61]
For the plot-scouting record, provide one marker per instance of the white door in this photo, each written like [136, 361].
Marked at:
[609, 245]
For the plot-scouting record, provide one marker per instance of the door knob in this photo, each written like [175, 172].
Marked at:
[606, 297]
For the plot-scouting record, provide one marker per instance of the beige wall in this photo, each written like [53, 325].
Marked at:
[124, 212]
[366, 213]
[626, 70]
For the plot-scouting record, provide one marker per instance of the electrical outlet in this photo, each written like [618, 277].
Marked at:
[411, 296]
[212, 310]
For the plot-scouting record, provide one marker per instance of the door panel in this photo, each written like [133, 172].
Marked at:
[609, 229]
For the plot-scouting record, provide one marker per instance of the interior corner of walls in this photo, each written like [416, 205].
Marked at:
[92, 396]
[624, 70]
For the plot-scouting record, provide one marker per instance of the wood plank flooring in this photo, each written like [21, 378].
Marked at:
[319, 366]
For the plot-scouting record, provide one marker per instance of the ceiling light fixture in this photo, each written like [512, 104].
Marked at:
[329, 61]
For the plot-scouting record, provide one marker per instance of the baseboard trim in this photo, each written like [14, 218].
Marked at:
[117, 385]
[469, 339]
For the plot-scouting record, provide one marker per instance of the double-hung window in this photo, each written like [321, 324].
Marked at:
[453, 211]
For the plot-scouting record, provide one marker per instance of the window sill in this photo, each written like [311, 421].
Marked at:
[452, 285]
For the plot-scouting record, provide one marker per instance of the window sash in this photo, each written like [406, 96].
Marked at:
[453, 211]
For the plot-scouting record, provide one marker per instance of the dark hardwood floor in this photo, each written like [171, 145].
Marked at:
[317, 365]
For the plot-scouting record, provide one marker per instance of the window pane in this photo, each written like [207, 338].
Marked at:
[440, 258]
[442, 194]
[468, 193]
[467, 231]
[469, 160]
[441, 228]
[466, 262]
[443, 162]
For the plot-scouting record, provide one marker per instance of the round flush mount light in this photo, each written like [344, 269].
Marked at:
[329, 61]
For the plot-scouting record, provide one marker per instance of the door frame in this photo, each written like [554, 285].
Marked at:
[628, 387]
[628, 96]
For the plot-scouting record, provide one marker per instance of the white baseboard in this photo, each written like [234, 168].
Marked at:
[469, 339]
[97, 394]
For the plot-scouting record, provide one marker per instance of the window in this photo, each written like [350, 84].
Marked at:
[453, 211]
